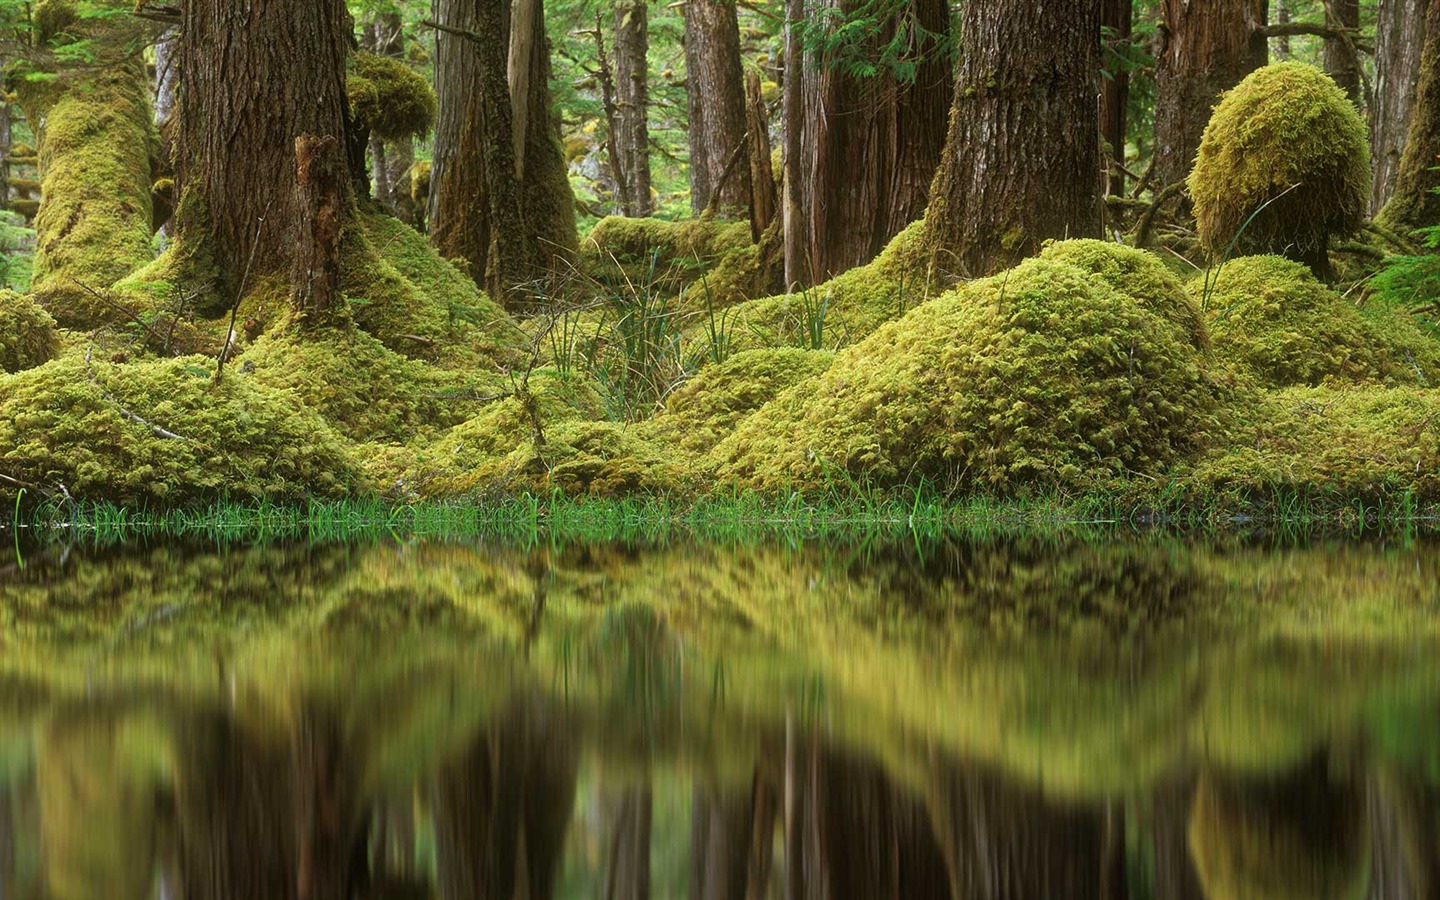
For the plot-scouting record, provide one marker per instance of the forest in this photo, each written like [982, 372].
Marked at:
[1160, 251]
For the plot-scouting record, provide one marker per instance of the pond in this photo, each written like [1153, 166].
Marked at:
[1060, 716]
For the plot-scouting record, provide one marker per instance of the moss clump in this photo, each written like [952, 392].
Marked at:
[1288, 137]
[365, 390]
[66, 423]
[708, 407]
[52, 18]
[846, 308]
[1041, 376]
[1137, 274]
[93, 227]
[389, 99]
[1362, 442]
[659, 252]
[1274, 321]
[27, 333]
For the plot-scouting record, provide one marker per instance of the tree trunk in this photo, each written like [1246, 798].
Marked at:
[870, 145]
[1022, 157]
[6, 139]
[167, 75]
[1208, 47]
[391, 161]
[717, 107]
[321, 183]
[1415, 203]
[795, 186]
[1399, 40]
[547, 199]
[1282, 17]
[632, 42]
[1341, 59]
[1117, 17]
[762, 173]
[239, 116]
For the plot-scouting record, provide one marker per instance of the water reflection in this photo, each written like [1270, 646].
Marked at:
[1013, 720]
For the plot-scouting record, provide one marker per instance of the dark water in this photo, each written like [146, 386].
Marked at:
[1011, 719]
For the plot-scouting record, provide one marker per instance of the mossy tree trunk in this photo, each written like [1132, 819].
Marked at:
[509, 214]
[1342, 60]
[239, 115]
[1022, 159]
[1415, 203]
[868, 146]
[1399, 40]
[717, 108]
[1207, 47]
[632, 83]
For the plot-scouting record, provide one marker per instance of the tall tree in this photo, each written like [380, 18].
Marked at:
[717, 107]
[499, 198]
[632, 82]
[1207, 46]
[1342, 60]
[1022, 158]
[239, 120]
[1399, 39]
[391, 161]
[1415, 203]
[1116, 18]
[872, 125]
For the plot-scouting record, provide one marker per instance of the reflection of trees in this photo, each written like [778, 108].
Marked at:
[627, 858]
[503, 805]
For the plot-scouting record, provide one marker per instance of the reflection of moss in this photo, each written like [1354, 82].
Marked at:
[1276, 322]
[1042, 375]
[27, 333]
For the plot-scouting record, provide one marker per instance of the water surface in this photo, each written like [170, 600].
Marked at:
[1015, 718]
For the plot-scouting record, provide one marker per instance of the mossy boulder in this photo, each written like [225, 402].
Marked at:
[1283, 166]
[27, 333]
[1276, 322]
[1137, 274]
[1043, 376]
[709, 406]
[389, 99]
[96, 430]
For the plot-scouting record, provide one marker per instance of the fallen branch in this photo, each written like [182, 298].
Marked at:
[1147, 221]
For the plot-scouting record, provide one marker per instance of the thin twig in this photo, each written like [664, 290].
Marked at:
[95, 380]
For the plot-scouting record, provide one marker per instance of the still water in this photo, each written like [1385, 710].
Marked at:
[1046, 718]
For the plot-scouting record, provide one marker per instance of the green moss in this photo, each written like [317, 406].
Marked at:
[365, 390]
[27, 333]
[1274, 321]
[854, 303]
[65, 423]
[708, 407]
[388, 98]
[93, 227]
[1288, 137]
[1137, 274]
[663, 254]
[51, 19]
[1040, 376]
[1363, 441]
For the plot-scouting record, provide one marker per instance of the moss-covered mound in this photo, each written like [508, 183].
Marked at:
[1041, 376]
[1137, 274]
[1274, 321]
[714, 260]
[1288, 137]
[845, 309]
[164, 431]
[1360, 441]
[27, 333]
[389, 99]
[708, 407]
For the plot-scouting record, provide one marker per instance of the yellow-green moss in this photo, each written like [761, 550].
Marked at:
[93, 227]
[855, 303]
[51, 18]
[1138, 274]
[1043, 375]
[388, 98]
[1274, 321]
[708, 407]
[27, 333]
[1285, 126]
[365, 390]
[1362, 440]
[660, 253]
[65, 423]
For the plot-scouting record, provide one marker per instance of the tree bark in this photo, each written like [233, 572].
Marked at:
[1399, 40]
[321, 183]
[1342, 61]
[795, 186]
[1117, 18]
[391, 162]
[6, 140]
[717, 106]
[1022, 156]
[1208, 46]
[632, 42]
[762, 173]
[1415, 203]
[167, 75]
[239, 116]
